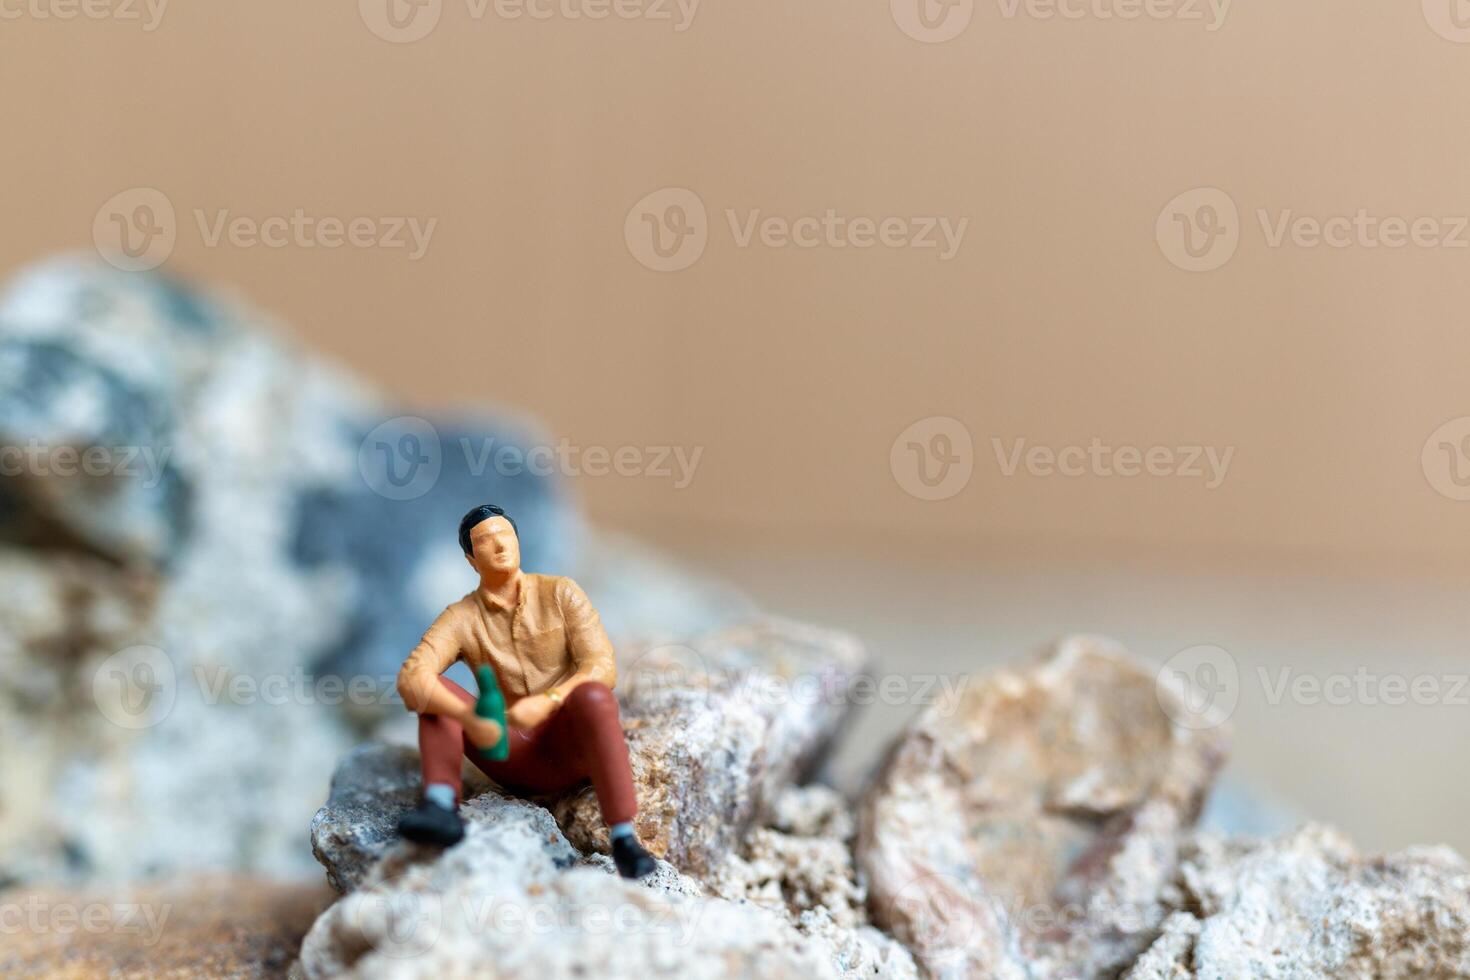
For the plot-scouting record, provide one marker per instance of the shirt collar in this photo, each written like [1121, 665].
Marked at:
[493, 603]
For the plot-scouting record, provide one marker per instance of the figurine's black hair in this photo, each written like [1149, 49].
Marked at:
[479, 515]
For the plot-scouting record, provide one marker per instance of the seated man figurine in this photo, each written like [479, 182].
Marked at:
[554, 664]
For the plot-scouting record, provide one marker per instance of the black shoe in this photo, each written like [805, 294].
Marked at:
[630, 857]
[432, 824]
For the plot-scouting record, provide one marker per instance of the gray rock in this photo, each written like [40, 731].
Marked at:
[1028, 829]
[375, 784]
[61, 617]
[280, 575]
[515, 899]
[207, 417]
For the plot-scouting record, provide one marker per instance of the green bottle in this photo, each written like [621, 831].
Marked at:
[491, 704]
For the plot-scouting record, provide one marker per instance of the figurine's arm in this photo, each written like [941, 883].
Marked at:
[418, 680]
[587, 641]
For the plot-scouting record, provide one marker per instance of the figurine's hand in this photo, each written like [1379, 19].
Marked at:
[530, 712]
[482, 731]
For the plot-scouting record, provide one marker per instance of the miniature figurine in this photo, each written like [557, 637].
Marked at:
[555, 668]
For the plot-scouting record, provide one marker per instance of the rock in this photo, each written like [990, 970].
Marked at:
[1027, 828]
[373, 786]
[238, 927]
[1307, 905]
[212, 425]
[515, 897]
[1169, 956]
[802, 866]
[280, 536]
[61, 618]
[512, 901]
[714, 728]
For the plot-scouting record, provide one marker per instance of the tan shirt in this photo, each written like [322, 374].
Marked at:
[552, 633]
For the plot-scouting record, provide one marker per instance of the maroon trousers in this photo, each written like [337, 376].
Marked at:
[582, 740]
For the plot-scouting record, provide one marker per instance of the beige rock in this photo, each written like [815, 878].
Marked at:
[507, 902]
[715, 728]
[1308, 905]
[803, 871]
[1028, 828]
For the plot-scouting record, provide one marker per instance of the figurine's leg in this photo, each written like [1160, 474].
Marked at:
[436, 819]
[583, 739]
[442, 744]
[587, 729]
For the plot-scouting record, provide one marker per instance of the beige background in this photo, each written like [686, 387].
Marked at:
[1059, 320]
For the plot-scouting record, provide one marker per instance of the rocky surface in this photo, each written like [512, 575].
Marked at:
[719, 730]
[715, 727]
[61, 618]
[1308, 905]
[1027, 828]
[214, 553]
[212, 537]
[516, 899]
[1040, 826]
[373, 786]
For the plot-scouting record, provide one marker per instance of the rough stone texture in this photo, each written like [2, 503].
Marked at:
[1027, 829]
[801, 861]
[60, 618]
[236, 927]
[243, 541]
[1307, 905]
[715, 728]
[514, 900]
[373, 785]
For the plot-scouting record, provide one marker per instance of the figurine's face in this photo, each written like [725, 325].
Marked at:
[496, 549]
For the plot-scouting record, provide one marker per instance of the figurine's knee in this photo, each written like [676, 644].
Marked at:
[593, 702]
[593, 696]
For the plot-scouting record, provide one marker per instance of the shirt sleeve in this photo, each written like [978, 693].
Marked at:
[435, 653]
[587, 641]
